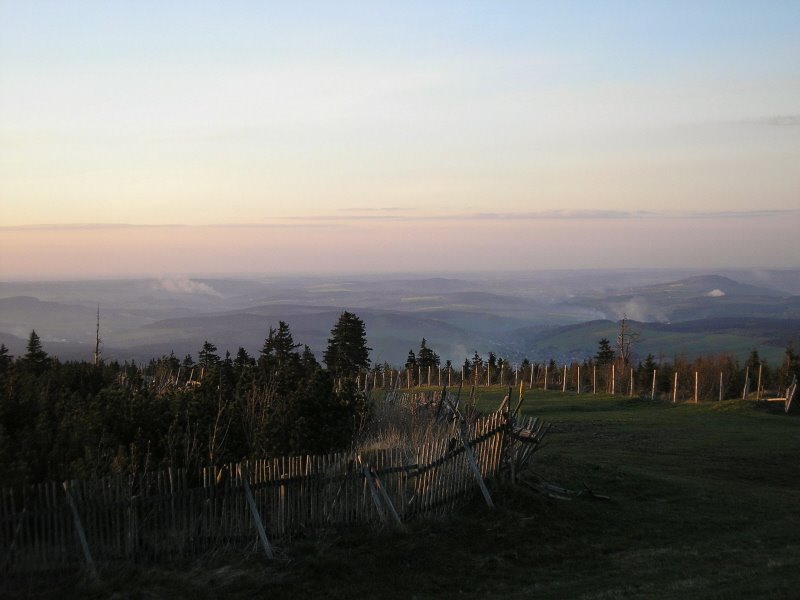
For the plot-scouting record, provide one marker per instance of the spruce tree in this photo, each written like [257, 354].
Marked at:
[35, 357]
[605, 354]
[207, 356]
[347, 351]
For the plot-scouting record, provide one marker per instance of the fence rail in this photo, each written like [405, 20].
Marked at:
[160, 515]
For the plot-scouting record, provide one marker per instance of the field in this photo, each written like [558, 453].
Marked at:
[703, 504]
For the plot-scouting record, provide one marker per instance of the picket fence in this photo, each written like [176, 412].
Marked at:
[240, 507]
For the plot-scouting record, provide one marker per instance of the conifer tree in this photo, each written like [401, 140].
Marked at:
[347, 351]
[605, 354]
[35, 357]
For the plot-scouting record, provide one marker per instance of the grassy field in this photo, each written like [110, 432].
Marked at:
[705, 503]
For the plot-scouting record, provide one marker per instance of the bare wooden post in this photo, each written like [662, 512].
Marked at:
[720, 386]
[262, 534]
[530, 386]
[474, 466]
[408, 378]
[564, 381]
[579, 379]
[630, 388]
[695, 386]
[516, 376]
[545, 377]
[488, 375]
[653, 388]
[502, 372]
[429, 375]
[675, 388]
[76, 518]
[613, 379]
[419, 376]
[594, 379]
[373, 492]
[758, 389]
[746, 382]
[790, 392]
[386, 498]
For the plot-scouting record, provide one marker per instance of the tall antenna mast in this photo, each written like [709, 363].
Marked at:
[97, 339]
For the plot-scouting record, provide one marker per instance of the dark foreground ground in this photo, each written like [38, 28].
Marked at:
[705, 503]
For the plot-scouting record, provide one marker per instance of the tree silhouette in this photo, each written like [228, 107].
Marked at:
[347, 351]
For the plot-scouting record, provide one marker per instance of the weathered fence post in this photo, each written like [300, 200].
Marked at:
[474, 465]
[758, 388]
[244, 473]
[653, 388]
[87, 555]
[675, 388]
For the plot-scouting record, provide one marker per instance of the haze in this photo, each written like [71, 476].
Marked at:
[150, 138]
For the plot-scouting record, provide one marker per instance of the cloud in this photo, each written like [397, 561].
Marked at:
[182, 285]
[781, 121]
[380, 215]
[564, 215]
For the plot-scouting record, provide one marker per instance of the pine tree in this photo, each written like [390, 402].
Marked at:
[35, 357]
[279, 359]
[5, 358]
[427, 357]
[207, 356]
[347, 351]
[605, 354]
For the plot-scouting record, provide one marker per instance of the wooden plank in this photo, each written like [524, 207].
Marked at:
[475, 470]
[87, 555]
[372, 489]
[262, 534]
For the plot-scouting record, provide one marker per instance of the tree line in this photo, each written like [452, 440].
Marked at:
[74, 419]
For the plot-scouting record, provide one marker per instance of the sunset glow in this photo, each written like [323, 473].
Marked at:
[141, 138]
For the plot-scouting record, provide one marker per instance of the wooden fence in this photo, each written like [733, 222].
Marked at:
[239, 506]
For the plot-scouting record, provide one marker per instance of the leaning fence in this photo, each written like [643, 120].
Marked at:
[239, 506]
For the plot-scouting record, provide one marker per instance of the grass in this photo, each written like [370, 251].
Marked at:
[704, 504]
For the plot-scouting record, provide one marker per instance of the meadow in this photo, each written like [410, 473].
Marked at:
[703, 503]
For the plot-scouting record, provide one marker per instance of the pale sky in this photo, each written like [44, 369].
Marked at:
[189, 137]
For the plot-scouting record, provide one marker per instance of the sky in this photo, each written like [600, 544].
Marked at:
[152, 138]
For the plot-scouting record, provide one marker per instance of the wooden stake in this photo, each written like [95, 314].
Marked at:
[758, 389]
[695, 386]
[613, 379]
[262, 534]
[746, 382]
[545, 377]
[564, 381]
[653, 388]
[720, 386]
[76, 518]
[630, 393]
[594, 379]
[474, 466]
[579, 379]
[675, 389]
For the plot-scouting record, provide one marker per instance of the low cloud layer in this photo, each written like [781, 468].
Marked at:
[183, 285]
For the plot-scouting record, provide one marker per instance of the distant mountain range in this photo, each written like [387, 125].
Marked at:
[539, 315]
